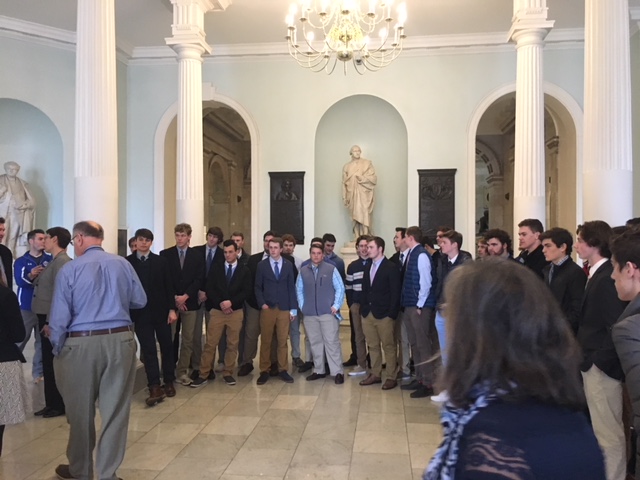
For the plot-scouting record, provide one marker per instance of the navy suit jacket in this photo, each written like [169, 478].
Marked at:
[279, 293]
[382, 298]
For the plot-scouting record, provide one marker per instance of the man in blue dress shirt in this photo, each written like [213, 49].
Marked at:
[92, 337]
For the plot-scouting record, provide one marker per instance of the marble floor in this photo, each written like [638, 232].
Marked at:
[310, 430]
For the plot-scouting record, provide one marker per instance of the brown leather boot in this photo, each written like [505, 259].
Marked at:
[156, 395]
[169, 389]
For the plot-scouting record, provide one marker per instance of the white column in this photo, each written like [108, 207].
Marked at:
[188, 40]
[529, 28]
[608, 183]
[96, 135]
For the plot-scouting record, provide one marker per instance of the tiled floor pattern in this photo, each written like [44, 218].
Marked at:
[304, 430]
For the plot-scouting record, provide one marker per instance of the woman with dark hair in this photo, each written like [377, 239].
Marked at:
[515, 400]
[14, 399]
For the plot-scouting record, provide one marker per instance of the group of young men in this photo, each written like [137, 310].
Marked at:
[600, 301]
[396, 306]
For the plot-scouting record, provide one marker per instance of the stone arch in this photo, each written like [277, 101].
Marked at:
[164, 204]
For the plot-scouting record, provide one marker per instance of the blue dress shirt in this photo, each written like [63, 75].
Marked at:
[93, 292]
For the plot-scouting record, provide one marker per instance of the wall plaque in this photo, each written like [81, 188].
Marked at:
[437, 199]
[287, 204]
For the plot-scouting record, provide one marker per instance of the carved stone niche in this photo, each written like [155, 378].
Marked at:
[437, 199]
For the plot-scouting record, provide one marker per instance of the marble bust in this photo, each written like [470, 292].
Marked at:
[358, 183]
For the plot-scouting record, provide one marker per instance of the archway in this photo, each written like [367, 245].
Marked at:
[230, 136]
[491, 149]
[29, 138]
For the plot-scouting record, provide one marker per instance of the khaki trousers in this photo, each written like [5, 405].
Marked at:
[217, 323]
[361, 346]
[381, 332]
[274, 320]
[187, 333]
[99, 368]
[419, 333]
[604, 399]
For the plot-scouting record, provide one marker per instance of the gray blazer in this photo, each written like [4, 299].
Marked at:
[44, 283]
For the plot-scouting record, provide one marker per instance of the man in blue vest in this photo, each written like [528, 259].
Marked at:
[417, 304]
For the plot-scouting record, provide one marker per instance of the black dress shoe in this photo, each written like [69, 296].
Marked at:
[306, 366]
[245, 369]
[40, 413]
[339, 379]
[53, 413]
[413, 385]
[316, 376]
[352, 362]
[263, 378]
[422, 391]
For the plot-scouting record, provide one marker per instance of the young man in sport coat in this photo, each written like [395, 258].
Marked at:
[228, 287]
[153, 321]
[186, 267]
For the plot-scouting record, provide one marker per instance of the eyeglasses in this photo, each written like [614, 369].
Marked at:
[74, 237]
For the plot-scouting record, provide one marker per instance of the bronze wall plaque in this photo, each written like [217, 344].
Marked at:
[437, 199]
[287, 203]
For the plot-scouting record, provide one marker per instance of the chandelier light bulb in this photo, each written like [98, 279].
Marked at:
[402, 14]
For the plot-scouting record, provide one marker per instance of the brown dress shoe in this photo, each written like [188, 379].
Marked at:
[389, 384]
[169, 389]
[156, 395]
[370, 380]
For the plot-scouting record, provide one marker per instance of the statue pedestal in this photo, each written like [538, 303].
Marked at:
[349, 253]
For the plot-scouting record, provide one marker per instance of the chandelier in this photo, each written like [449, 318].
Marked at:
[339, 30]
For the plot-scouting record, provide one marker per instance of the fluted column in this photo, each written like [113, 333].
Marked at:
[188, 40]
[529, 29]
[608, 184]
[96, 134]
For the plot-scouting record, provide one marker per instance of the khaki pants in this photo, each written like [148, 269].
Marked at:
[361, 346]
[604, 399]
[278, 321]
[99, 368]
[377, 332]
[187, 333]
[217, 323]
[419, 333]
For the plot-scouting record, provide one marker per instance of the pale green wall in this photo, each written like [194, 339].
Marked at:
[28, 137]
[378, 129]
[435, 96]
[44, 77]
[635, 117]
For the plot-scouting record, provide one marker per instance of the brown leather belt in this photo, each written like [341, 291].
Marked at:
[105, 331]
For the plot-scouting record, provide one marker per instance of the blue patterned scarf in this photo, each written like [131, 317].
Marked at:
[443, 464]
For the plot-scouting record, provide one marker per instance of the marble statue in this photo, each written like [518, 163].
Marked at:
[358, 183]
[17, 206]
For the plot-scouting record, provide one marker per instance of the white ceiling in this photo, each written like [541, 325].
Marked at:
[142, 23]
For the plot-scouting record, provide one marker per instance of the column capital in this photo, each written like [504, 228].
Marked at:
[189, 50]
[530, 32]
[188, 22]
